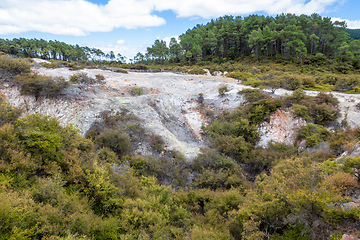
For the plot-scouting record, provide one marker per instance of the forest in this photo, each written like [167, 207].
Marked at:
[57, 184]
[34, 48]
[286, 36]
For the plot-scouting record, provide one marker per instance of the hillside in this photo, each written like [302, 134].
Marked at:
[173, 155]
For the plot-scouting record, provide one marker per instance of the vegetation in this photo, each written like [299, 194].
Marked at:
[34, 48]
[285, 36]
[56, 184]
[41, 86]
[86, 79]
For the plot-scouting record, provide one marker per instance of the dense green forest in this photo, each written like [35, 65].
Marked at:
[56, 184]
[354, 33]
[34, 48]
[285, 36]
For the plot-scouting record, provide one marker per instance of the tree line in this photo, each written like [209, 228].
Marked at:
[229, 38]
[35, 48]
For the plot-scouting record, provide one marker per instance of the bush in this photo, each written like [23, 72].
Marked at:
[50, 65]
[85, 79]
[100, 77]
[223, 90]
[136, 91]
[313, 134]
[8, 113]
[41, 86]
[115, 141]
[10, 67]
[156, 143]
[253, 95]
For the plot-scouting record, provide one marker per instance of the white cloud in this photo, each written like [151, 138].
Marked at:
[120, 41]
[216, 8]
[74, 17]
[80, 17]
[350, 24]
[124, 49]
[167, 39]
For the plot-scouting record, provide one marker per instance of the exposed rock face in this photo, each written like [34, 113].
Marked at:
[282, 127]
[168, 107]
[348, 237]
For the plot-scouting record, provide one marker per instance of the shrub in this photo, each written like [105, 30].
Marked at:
[313, 134]
[291, 82]
[120, 71]
[41, 86]
[99, 77]
[10, 67]
[261, 110]
[223, 90]
[156, 143]
[8, 113]
[136, 91]
[115, 141]
[347, 84]
[253, 95]
[84, 78]
[50, 65]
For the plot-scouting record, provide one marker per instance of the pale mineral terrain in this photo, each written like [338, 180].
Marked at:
[169, 105]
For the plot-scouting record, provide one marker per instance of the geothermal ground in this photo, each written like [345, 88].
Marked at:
[168, 106]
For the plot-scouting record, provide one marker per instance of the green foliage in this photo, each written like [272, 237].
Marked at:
[99, 77]
[10, 67]
[223, 90]
[34, 48]
[84, 78]
[8, 113]
[157, 143]
[136, 91]
[352, 165]
[313, 134]
[115, 141]
[321, 109]
[228, 38]
[41, 86]
[253, 95]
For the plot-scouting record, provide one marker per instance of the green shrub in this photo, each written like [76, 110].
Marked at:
[8, 113]
[99, 77]
[291, 82]
[347, 83]
[120, 70]
[302, 111]
[223, 90]
[10, 67]
[50, 65]
[156, 143]
[253, 95]
[136, 91]
[41, 86]
[261, 110]
[84, 78]
[313, 134]
[115, 141]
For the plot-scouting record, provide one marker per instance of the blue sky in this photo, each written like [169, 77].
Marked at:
[129, 26]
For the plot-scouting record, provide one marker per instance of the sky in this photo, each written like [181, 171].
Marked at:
[130, 26]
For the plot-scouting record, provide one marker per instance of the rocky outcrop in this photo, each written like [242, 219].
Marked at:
[282, 127]
[169, 105]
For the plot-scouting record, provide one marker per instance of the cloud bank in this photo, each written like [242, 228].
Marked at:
[349, 23]
[80, 17]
